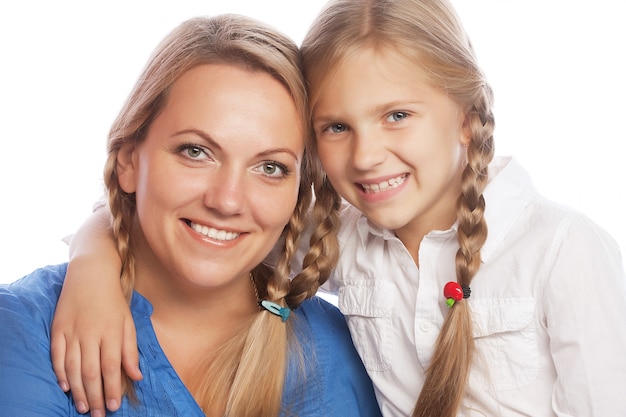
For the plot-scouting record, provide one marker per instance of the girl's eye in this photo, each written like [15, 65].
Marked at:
[274, 169]
[336, 128]
[396, 116]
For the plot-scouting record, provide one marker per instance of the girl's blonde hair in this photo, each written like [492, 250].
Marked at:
[429, 33]
[246, 377]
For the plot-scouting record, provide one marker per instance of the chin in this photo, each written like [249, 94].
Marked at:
[385, 222]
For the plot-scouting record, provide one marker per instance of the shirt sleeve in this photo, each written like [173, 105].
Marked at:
[99, 204]
[28, 384]
[585, 306]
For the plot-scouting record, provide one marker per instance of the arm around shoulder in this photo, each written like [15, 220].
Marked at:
[93, 328]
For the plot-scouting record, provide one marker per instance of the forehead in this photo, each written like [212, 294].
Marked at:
[226, 100]
[368, 70]
[226, 82]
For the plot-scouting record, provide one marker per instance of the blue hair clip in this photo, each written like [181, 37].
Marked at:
[274, 308]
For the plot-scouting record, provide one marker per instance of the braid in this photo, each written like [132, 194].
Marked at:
[268, 335]
[121, 206]
[471, 203]
[323, 251]
[449, 370]
[295, 292]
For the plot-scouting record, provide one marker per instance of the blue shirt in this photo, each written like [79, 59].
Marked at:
[335, 384]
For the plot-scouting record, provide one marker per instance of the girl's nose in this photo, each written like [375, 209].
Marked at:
[367, 151]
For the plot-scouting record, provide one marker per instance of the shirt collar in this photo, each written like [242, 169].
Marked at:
[508, 193]
[365, 227]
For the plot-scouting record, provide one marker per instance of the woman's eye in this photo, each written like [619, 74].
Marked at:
[396, 116]
[193, 151]
[274, 169]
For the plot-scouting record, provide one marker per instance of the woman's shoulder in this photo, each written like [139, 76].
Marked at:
[37, 293]
[344, 385]
[322, 316]
[27, 308]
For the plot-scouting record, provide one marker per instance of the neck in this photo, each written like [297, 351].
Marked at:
[192, 325]
[188, 305]
[412, 234]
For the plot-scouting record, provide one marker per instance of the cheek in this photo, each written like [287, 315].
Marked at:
[151, 198]
[274, 208]
[334, 158]
[161, 185]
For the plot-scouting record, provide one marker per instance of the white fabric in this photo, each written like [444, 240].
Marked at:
[549, 307]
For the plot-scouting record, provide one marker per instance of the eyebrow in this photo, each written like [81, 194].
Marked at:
[279, 150]
[323, 119]
[381, 108]
[216, 145]
[200, 133]
[399, 104]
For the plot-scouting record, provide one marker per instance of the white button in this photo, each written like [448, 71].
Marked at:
[425, 326]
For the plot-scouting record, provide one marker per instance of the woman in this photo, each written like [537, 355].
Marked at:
[208, 166]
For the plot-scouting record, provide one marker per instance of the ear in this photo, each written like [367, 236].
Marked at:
[126, 167]
[466, 130]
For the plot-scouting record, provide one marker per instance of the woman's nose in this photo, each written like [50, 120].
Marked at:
[226, 192]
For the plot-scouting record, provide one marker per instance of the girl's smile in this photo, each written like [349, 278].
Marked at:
[377, 190]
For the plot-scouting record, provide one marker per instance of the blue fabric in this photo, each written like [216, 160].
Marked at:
[336, 383]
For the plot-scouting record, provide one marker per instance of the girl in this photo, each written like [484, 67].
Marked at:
[208, 166]
[465, 291]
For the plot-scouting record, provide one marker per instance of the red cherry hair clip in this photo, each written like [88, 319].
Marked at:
[455, 292]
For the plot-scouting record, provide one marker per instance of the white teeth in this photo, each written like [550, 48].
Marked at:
[384, 185]
[214, 233]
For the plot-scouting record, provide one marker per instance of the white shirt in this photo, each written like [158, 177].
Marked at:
[548, 305]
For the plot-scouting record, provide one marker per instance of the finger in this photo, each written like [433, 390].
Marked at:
[130, 352]
[57, 354]
[74, 378]
[111, 359]
[91, 375]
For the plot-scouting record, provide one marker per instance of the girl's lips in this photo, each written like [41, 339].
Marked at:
[385, 185]
[212, 233]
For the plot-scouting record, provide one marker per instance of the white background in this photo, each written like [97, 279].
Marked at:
[557, 68]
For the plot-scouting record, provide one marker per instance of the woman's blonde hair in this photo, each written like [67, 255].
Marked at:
[429, 33]
[246, 377]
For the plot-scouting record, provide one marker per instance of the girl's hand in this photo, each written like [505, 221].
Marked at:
[93, 337]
